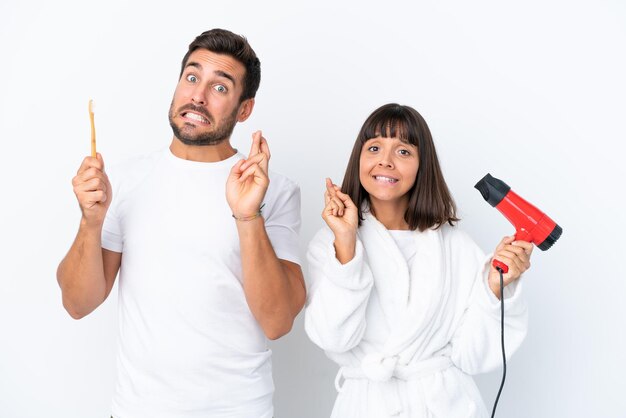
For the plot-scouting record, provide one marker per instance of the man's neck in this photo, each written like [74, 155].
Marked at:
[204, 153]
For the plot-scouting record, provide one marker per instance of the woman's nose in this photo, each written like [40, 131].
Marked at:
[385, 161]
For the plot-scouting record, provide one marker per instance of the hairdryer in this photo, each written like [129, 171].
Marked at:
[530, 223]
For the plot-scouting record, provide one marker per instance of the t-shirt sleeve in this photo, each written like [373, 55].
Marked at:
[282, 220]
[112, 237]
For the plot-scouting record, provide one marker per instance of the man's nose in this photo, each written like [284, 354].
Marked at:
[198, 96]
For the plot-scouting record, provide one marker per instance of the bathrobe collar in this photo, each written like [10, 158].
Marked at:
[411, 296]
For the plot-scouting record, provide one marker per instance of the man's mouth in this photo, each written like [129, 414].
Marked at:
[195, 117]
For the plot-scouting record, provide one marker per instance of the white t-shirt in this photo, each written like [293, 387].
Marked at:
[189, 347]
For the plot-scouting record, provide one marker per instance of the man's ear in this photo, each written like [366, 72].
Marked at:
[245, 109]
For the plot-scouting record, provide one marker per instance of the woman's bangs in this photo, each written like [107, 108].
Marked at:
[388, 126]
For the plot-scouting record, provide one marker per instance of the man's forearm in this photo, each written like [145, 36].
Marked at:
[81, 273]
[273, 297]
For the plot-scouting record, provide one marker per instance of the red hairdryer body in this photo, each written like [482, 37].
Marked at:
[530, 223]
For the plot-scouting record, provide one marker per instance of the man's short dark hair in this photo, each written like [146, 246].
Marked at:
[221, 41]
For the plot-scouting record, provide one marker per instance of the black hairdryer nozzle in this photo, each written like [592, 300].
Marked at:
[492, 189]
[530, 223]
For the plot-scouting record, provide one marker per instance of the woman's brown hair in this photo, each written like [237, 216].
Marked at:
[430, 201]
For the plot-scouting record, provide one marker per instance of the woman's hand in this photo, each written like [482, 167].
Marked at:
[342, 217]
[516, 255]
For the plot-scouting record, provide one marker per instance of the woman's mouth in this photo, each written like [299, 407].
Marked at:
[385, 179]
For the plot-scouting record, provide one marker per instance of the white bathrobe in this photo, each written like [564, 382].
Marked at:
[407, 338]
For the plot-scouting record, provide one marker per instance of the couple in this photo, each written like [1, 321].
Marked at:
[404, 302]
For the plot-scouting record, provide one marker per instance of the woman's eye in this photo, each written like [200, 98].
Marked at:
[373, 148]
[404, 152]
[192, 78]
[220, 88]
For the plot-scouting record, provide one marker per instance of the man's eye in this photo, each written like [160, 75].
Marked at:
[192, 78]
[373, 148]
[220, 88]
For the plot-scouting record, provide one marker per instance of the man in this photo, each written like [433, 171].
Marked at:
[204, 281]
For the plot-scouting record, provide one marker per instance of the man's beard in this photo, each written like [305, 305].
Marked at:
[222, 131]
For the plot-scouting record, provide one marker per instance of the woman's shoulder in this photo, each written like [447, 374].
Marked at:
[322, 236]
[457, 237]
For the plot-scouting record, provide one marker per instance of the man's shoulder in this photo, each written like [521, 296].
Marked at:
[129, 172]
[281, 182]
[135, 163]
[282, 195]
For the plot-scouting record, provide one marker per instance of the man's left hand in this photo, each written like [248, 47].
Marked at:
[248, 180]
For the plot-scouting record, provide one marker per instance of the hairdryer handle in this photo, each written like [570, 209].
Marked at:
[501, 265]
[520, 234]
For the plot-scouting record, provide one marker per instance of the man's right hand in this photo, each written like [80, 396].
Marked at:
[93, 190]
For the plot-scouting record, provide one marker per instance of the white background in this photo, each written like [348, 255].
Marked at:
[532, 92]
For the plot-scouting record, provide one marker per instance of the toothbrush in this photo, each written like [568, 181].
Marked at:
[93, 129]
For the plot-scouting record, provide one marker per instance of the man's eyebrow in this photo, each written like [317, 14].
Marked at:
[226, 75]
[217, 72]
[194, 64]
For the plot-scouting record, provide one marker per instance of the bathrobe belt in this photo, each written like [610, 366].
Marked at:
[387, 373]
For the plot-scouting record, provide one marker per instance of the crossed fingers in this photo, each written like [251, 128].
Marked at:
[259, 147]
[333, 203]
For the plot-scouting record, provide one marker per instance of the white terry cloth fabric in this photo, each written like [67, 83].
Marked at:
[406, 243]
[407, 337]
[188, 345]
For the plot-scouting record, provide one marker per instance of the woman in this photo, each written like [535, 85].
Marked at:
[399, 297]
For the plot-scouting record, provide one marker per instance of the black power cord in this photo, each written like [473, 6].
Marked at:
[493, 412]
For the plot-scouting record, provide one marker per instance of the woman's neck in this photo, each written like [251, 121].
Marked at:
[390, 214]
